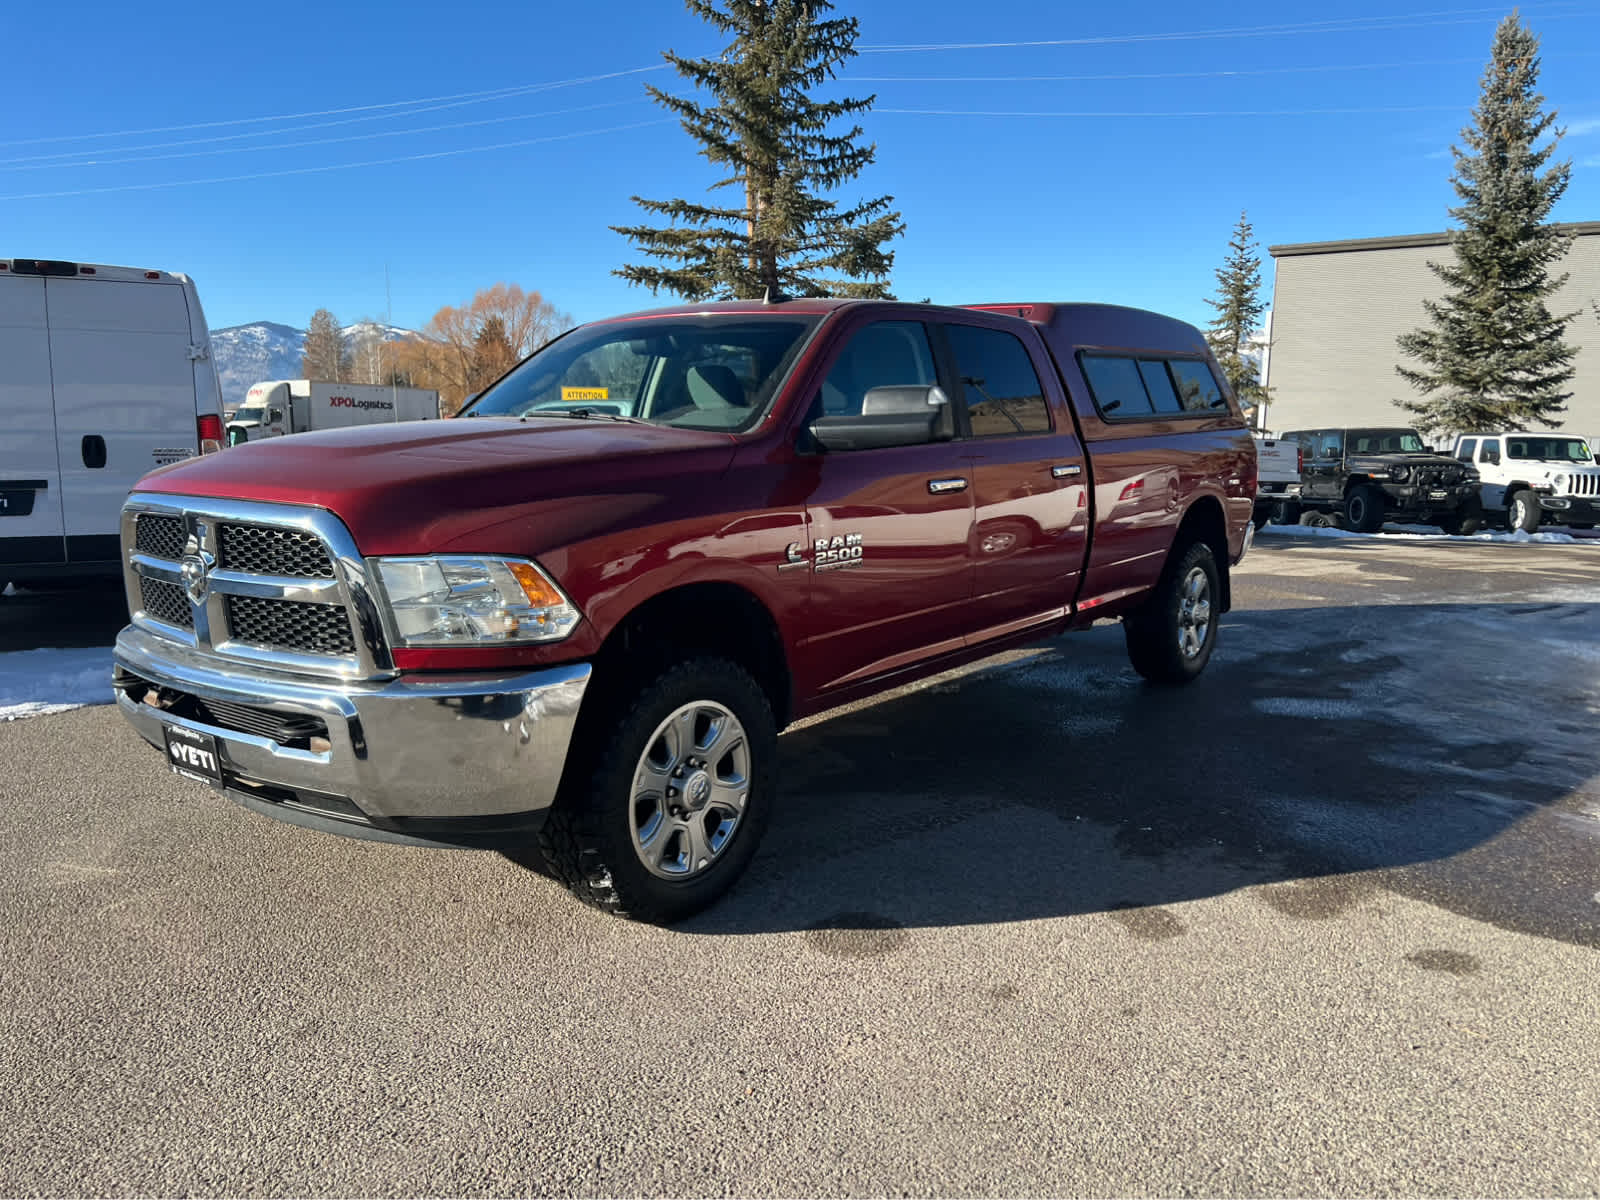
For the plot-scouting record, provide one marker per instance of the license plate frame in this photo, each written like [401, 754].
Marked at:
[193, 754]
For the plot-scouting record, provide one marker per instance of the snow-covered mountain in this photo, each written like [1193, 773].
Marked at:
[247, 354]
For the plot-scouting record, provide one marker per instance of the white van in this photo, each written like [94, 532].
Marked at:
[105, 373]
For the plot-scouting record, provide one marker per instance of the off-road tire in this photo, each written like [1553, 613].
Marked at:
[1363, 509]
[1465, 520]
[586, 841]
[1153, 631]
[1522, 511]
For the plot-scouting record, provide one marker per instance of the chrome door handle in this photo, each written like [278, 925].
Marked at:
[940, 486]
[1066, 472]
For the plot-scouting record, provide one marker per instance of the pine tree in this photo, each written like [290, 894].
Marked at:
[1494, 356]
[326, 358]
[492, 354]
[1239, 308]
[764, 128]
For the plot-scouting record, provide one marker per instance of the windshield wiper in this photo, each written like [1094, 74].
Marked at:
[584, 414]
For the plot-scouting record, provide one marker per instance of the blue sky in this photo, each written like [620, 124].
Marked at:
[1145, 129]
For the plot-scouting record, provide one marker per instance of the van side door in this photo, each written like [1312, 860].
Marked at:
[30, 478]
[124, 398]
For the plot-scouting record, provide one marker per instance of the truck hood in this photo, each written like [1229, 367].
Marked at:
[429, 486]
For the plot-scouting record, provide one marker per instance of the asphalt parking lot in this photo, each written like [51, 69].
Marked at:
[1325, 922]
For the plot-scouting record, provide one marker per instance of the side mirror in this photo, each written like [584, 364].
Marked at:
[277, 414]
[890, 416]
[1492, 456]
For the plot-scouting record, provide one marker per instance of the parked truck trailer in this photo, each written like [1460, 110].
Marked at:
[281, 406]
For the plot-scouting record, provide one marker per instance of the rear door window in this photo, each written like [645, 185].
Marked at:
[1000, 387]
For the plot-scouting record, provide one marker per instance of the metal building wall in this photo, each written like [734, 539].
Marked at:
[1338, 306]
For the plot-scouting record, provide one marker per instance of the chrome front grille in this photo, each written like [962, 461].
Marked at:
[273, 550]
[166, 602]
[287, 625]
[160, 536]
[279, 586]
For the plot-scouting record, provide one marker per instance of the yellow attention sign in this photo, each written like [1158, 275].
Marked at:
[570, 394]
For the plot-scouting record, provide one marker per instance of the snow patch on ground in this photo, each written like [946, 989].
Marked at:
[1315, 709]
[1426, 533]
[36, 682]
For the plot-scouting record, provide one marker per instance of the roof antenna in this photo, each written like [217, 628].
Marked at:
[773, 295]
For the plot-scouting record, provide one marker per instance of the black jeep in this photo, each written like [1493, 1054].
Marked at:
[1369, 476]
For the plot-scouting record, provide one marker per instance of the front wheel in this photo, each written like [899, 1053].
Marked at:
[1465, 520]
[1171, 636]
[1363, 508]
[1523, 511]
[665, 812]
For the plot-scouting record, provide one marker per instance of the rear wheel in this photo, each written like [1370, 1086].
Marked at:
[661, 816]
[1523, 511]
[1171, 636]
[1285, 512]
[1363, 508]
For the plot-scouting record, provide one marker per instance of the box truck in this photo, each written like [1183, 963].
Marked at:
[282, 406]
[105, 373]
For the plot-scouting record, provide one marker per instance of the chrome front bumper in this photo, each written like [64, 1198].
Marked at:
[457, 759]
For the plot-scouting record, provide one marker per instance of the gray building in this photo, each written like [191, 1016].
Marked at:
[1338, 306]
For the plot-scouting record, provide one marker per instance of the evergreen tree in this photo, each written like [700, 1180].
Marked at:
[492, 354]
[1239, 308]
[326, 358]
[1493, 356]
[763, 127]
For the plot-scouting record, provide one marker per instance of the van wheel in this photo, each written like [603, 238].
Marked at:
[1171, 635]
[1523, 511]
[1363, 508]
[657, 821]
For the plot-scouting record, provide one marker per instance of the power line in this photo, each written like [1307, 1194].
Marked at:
[355, 137]
[479, 97]
[1228, 74]
[376, 162]
[1087, 114]
[1460, 16]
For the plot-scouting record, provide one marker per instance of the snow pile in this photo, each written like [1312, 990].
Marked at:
[1427, 533]
[36, 682]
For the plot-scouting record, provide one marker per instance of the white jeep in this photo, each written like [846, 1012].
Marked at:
[1532, 477]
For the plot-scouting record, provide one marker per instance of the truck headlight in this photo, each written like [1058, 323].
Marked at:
[1399, 474]
[464, 599]
[1559, 482]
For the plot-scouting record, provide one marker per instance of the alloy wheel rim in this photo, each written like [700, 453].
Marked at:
[690, 790]
[1194, 612]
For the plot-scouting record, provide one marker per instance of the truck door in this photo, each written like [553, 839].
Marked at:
[1031, 510]
[124, 398]
[889, 570]
[1324, 473]
[30, 478]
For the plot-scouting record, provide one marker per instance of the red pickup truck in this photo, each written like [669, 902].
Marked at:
[578, 615]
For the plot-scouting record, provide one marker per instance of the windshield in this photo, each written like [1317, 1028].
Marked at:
[712, 372]
[1549, 449]
[1385, 441]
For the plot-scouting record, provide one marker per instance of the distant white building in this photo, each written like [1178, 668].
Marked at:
[1337, 308]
